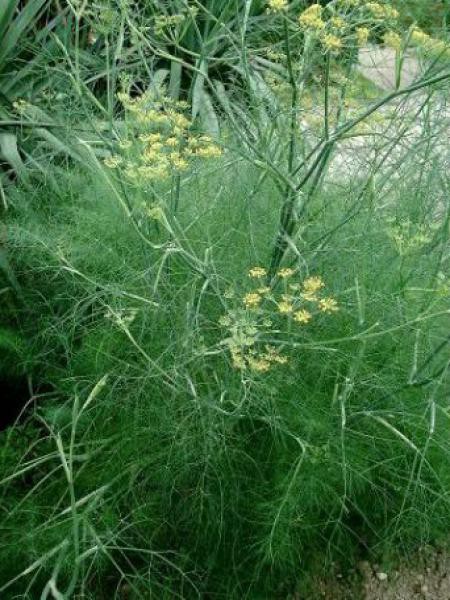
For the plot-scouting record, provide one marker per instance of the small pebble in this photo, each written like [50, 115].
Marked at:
[382, 576]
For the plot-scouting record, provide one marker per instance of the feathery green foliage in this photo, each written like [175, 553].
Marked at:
[237, 346]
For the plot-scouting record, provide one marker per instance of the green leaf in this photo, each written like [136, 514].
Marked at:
[208, 115]
[222, 96]
[175, 79]
[158, 79]
[10, 153]
[57, 144]
[197, 90]
[7, 8]
[16, 29]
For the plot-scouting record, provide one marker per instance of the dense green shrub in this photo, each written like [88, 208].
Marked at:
[188, 478]
[235, 348]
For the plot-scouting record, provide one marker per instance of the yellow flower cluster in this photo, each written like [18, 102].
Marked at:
[154, 211]
[261, 363]
[428, 43]
[252, 300]
[277, 5]
[112, 162]
[335, 23]
[382, 11]
[328, 305]
[302, 316]
[20, 106]
[409, 237]
[203, 147]
[285, 306]
[338, 22]
[159, 140]
[311, 18]
[257, 272]
[392, 39]
[151, 108]
[275, 55]
[332, 42]
[286, 272]
[419, 37]
[243, 343]
[164, 22]
[251, 321]
[311, 286]
[362, 35]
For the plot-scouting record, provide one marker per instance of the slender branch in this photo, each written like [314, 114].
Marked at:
[287, 214]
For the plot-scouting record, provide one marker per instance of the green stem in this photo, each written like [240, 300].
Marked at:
[287, 218]
[327, 99]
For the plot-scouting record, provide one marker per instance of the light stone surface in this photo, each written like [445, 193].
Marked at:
[399, 123]
[378, 64]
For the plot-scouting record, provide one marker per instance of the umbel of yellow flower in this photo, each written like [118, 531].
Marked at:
[237, 358]
[338, 22]
[257, 272]
[285, 307]
[302, 316]
[159, 141]
[362, 35]
[277, 5]
[376, 9]
[286, 272]
[392, 39]
[328, 305]
[332, 42]
[391, 12]
[313, 284]
[243, 345]
[311, 18]
[165, 21]
[419, 37]
[380, 11]
[263, 290]
[155, 212]
[273, 355]
[428, 43]
[260, 365]
[249, 328]
[208, 151]
[112, 162]
[20, 105]
[252, 300]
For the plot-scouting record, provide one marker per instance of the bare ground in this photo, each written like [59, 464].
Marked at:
[425, 577]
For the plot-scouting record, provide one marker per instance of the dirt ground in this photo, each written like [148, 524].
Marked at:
[426, 577]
